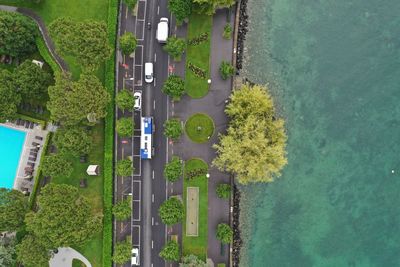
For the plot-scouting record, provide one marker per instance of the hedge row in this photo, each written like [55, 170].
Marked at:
[38, 175]
[109, 135]
[31, 119]
[44, 52]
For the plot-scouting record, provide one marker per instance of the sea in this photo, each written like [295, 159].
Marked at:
[333, 68]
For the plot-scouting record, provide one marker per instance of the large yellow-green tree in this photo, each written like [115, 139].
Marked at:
[254, 146]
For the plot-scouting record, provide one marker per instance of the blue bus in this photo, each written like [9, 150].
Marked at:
[146, 137]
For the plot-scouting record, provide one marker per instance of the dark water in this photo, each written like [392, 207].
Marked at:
[334, 69]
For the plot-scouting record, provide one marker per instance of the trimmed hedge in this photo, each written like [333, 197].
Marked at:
[31, 119]
[38, 176]
[44, 52]
[112, 23]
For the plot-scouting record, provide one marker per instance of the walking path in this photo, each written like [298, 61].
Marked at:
[43, 30]
[65, 256]
[212, 104]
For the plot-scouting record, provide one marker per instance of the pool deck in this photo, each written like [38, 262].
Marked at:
[22, 181]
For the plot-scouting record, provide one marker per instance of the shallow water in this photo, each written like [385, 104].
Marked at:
[334, 69]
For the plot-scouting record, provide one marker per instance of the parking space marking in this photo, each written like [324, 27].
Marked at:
[136, 245]
[137, 200]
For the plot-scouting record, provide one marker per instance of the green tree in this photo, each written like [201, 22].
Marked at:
[17, 34]
[31, 81]
[124, 127]
[75, 102]
[125, 100]
[210, 6]
[192, 261]
[122, 252]
[174, 87]
[73, 140]
[122, 210]
[226, 70]
[253, 134]
[224, 190]
[181, 9]
[171, 211]
[227, 34]
[170, 252]
[7, 252]
[130, 3]
[87, 41]
[173, 170]
[124, 167]
[9, 97]
[224, 233]
[13, 207]
[175, 47]
[127, 43]
[32, 253]
[173, 128]
[64, 217]
[56, 165]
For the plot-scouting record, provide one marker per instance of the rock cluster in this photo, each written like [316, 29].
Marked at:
[242, 30]
[237, 241]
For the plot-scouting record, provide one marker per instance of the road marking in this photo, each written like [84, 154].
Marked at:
[153, 174]
[126, 13]
[154, 82]
[155, 57]
[152, 220]
[152, 198]
[152, 244]
[154, 104]
[158, 10]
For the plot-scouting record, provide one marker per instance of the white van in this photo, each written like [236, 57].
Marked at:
[162, 30]
[148, 72]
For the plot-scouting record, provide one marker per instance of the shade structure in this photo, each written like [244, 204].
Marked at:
[93, 170]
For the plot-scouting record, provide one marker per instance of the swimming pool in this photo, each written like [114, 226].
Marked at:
[11, 144]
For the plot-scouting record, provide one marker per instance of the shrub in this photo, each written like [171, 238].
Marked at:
[224, 190]
[130, 3]
[56, 165]
[170, 252]
[124, 167]
[227, 34]
[73, 140]
[122, 252]
[226, 70]
[171, 211]
[173, 169]
[173, 128]
[175, 47]
[124, 127]
[174, 87]
[125, 100]
[127, 43]
[224, 233]
[122, 210]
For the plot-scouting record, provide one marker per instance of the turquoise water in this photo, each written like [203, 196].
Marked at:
[334, 70]
[11, 144]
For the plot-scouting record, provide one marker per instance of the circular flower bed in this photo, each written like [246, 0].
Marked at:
[199, 128]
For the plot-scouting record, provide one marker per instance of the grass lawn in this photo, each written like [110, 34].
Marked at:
[198, 55]
[197, 245]
[199, 127]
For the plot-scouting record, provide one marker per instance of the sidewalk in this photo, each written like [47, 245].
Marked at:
[213, 104]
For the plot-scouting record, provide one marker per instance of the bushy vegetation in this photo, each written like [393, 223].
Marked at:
[122, 252]
[130, 3]
[73, 140]
[9, 97]
[175, 47]
[181, 9]
[124, 167]
[226, 70]
[170, 252]
[13, 207]
[127, 43]
[122, 210]
[224, 190]
[227, 34]
[224, 233]
[174, 169]
[56, 165]
[174, 87]
[210, 6]
[173, 128]
[192, 261]
[252, 125]
[125, 100]
[171, 211]
[124, 127]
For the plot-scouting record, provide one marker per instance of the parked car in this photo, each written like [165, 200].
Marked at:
[138, 100]
[148, 72]
[162, 30]
[135, 257]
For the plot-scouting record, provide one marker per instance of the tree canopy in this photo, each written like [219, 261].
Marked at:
[85, 40]
[210, 6]
[64, 217]
[125, 100]
[253, 134]
[171, 211]
[73, 140]
[127, 43]
[9, 97]
[124, 167]
[124, 127]
[31, 81]
[173, 128]
[56, 165]
[74, 102]
[174, 87]
[130, 3]
[223, 190]
[224, 233]
[7, 251]
[173, 170]
[226, 70]
[170, 252]
[17, 34]
[122, 210]
[192, 261]
[175, 47]
[32, 253]
[122, 252]
[181, 9]
[13, 207]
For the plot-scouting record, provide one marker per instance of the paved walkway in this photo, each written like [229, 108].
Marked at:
[43, 30]
[65, 256]
[213, 104]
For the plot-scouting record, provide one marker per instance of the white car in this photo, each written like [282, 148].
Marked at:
[138, 100]
[162, 31]
[148, 72]
[135, 257]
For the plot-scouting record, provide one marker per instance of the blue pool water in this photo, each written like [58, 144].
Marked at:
[11, 144]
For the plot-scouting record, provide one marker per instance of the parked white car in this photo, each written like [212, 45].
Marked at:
[162, 30]
[135, 257]
[138, 100]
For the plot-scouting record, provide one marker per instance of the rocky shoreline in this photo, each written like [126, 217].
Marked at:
[237, 241]
[241, 33]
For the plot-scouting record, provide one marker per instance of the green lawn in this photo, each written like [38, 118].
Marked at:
[199, 127]
[199, 55]
[197, 245]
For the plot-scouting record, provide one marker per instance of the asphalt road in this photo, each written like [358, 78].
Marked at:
[147, 185]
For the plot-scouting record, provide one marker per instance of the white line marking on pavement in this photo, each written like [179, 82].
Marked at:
[152, 220]
[154, 82]
[152, 198]
[155, 57]
[154, 104]
[152, 244]
[153, 174]
[158, 10]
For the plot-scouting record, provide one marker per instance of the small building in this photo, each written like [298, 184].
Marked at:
[93, 170]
